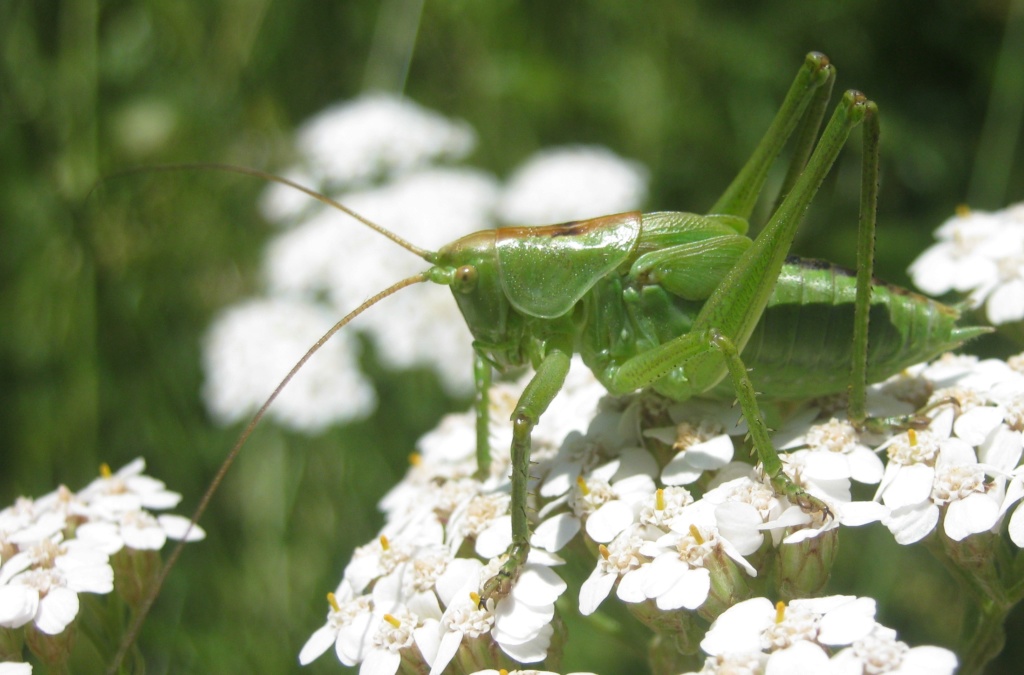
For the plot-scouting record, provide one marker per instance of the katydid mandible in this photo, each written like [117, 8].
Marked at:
[680, 303]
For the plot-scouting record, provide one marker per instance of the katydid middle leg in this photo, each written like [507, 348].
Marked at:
[536, 398]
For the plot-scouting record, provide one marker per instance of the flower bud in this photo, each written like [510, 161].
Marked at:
[728, 585]
[53, 650]
[135, 572]
[12, 640]
[804, 567]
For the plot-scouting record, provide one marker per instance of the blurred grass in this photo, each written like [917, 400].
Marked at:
[105, 294]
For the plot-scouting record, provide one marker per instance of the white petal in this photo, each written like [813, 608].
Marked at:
[515, 622]
[561, 479]
[847, 623]
[144, 538]
[928, 661]
[854, 514]
[738, 523]
[1016, 531]
[496, 538]
[459, 574]
[555, 532]
[387, 592]
[538, 585]
[428, 639]
[1014, 492]
[594, 590]
[631, 585]
[954, 451]
[177, 526]
[910, 524]
[380, 662]
[635, 488]
[18, 605]
[690, 591]
[975, 513]
[1002, 450]
[318, 643]
[803, 658]
[635, 462]
[794, 515]
[352, 640]
[450, 642]
[424, 605]
[610, 519]
[739, 628]
[974, 425]
[1006, 304]
[533, 650]
[826, 465]
[865, 466]
[663, 573]
[57, 610]
[912, 485]
[680, 472]
[103, 536]
[712, 454]
[930, 271]
[92, 579]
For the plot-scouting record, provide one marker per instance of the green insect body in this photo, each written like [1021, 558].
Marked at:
[686, 304]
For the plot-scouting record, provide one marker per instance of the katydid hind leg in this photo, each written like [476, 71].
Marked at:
[537, 396]
[736, 305]
[806, 136]
[711, 349]
[741, 195]
[770, 461]
[857, 406]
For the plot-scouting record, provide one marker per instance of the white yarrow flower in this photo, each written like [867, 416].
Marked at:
[252, 346]
[379, 134]
[565, 184]
[982, 254]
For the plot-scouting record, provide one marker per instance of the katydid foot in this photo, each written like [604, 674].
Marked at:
[500, 585]
[784, 486]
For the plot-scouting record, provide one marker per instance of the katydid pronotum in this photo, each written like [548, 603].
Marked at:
[680, 303]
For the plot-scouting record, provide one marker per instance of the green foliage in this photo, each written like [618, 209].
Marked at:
[106, 292]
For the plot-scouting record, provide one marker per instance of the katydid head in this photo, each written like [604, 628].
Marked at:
[540, 272]
[469, 265]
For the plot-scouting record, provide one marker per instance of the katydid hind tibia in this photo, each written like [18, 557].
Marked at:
[680, 303]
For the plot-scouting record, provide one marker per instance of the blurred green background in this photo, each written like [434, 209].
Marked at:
[105, 296]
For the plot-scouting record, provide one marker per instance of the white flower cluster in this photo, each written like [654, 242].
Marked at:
[673, 522]
[963, 467]
[982, 254]
[832, 635]
[62, 544]
[380, 156]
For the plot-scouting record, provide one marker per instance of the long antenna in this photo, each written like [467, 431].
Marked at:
[147, 603]
[429, 256]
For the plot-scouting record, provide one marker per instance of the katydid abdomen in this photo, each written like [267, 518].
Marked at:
[802, 346]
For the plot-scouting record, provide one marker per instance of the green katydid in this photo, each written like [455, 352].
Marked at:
[680, 303]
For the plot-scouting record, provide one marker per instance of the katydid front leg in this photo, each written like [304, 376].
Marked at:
[536, 398]
[482, 405]
[703, 356]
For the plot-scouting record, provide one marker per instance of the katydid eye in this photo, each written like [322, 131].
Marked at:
[465, 278]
